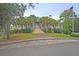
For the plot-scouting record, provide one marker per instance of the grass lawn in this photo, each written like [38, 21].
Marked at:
[23, 36]
[19, 36]
[57, 35]
[0, 37]
[32, 35]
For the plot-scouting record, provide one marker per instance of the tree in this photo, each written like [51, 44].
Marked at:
[44, 22]
[8, 13]
[48, 23]
[26, 22]
[68, 16]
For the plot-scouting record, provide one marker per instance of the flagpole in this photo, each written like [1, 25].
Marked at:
[73, 23]
[72, 20]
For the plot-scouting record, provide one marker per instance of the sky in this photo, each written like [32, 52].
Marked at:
[54, 9]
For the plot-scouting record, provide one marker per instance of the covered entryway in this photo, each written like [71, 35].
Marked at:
[37, 28]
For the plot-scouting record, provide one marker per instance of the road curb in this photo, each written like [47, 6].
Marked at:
[29, 40]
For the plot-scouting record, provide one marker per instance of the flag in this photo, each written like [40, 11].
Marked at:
[70, 10]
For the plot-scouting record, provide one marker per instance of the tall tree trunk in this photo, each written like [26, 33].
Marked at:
[7, 28]
[3, 32]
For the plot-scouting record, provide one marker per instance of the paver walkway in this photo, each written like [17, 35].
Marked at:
[38, 31]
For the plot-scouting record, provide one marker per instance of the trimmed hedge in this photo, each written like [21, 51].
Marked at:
[57, 30]
[27, 30]
[75, 35]
[48, 30]
[14, 31]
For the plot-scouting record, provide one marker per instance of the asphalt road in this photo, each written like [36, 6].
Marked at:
[59, 49]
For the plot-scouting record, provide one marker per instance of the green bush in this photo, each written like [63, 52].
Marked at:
[27, 30]
[14, 31]
[47, 30]
[67, 31]
[57, 30]
[75, 35]
[44, 30]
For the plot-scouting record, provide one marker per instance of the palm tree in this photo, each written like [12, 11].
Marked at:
[48, 23]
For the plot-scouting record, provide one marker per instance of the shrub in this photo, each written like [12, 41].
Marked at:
[57, 30]
[27, 30]
[47, 30]
[14, 31]
[75, 35]
[67, 31]
[44, 30]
